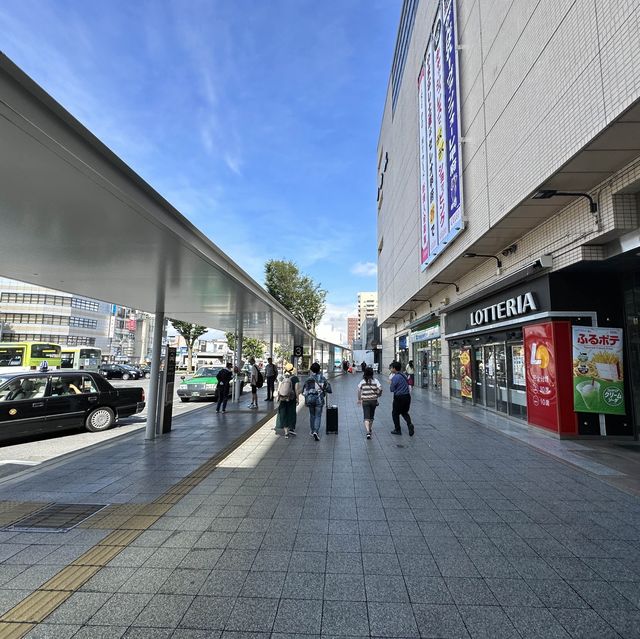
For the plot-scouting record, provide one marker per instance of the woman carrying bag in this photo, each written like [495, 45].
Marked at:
[369, 389]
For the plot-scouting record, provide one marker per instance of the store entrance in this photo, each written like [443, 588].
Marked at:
[498, 380]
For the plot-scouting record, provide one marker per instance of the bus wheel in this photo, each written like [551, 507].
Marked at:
[100, 419]
[126, 376]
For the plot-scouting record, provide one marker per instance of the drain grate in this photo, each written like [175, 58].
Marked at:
[56, 518]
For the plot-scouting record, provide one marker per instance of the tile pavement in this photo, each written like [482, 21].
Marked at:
[456, 532]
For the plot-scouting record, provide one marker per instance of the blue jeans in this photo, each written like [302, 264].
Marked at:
[315, 417]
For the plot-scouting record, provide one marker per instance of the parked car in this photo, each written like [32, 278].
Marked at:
[119, 371]
[32, 403]
[145, 371]
[203, 385]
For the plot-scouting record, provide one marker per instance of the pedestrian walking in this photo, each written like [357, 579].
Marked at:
[401, 400]
[288, 397]
[314, 391]
[271, 374]
[225, 375]
[363, 367]
[345, 365]
[44, 366]
[254, 379]
[411, 378]
[369, 389]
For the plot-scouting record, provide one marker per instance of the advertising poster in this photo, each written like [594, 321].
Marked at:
[517, 365]
[424, 202]
[540, 367]
[466, 383]
[598, 373]
[454, 179]
[442, 186]
[431, 156]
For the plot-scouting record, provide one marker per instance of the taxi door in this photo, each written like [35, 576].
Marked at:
[23, 407]
[67, 404]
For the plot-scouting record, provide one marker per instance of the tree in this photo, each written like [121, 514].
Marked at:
[298, 293]
[190, 333]
[251, 346]
[283, 353]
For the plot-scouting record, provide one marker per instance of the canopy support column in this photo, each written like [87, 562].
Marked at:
[154, 380]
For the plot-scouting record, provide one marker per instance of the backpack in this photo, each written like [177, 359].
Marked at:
[285, 390]
[313, 395]
[259, 380]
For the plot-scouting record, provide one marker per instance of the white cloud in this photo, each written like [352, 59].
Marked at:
[333, 326]
[366, 269]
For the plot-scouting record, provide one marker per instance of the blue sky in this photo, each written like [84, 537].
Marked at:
[257, 119]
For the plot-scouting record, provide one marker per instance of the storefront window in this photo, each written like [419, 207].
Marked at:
[427, 356]
[516, 381]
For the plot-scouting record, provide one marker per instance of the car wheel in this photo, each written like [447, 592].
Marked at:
[126, 376]
[147, 375]
[100, 419]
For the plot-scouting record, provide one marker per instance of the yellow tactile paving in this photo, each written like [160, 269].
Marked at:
[127, 521]
[71, 578]
[37, 606]
[98, 556]
[15, 630]
[120, 538]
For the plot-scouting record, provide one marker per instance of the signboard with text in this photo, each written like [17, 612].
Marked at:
[598, 374]
[540, 367]
[439, 126]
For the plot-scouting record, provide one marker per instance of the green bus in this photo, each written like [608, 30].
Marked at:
[28, 356]
[85, 358]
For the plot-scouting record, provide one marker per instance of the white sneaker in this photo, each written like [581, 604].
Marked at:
[316, 436]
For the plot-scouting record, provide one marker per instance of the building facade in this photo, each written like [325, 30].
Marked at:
[367, 308]
[33, 313]
[508, 209]
[352, 330]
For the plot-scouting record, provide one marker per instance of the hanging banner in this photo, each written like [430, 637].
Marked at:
[439, 113]
[431, 156]
[598, 374]
[442, 203]
[540, 366]
[424, 202]
[466, 383]
[452, 117]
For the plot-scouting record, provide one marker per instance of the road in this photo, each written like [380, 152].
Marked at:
[24, 452]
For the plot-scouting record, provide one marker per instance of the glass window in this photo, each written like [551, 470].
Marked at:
[455, 377]
[88, 384]
[23, 388]
[45, 351]
[516, 380]
[66, 385]
[11, 356]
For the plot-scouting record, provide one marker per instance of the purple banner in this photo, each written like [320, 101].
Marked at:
[451, 100]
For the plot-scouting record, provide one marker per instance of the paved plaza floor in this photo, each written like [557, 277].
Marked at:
[459, 531]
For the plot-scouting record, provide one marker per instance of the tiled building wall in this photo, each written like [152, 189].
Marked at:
[539, 80]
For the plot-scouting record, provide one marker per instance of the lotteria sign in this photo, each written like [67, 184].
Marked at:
[512, 307]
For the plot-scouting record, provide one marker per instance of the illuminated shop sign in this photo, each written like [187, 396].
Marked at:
[439, 144]
[512, 307]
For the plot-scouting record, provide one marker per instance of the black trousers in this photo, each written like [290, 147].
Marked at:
[401, 405]
[223, 396]
[270, 386]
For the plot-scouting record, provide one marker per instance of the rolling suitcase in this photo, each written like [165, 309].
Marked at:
[332, 419]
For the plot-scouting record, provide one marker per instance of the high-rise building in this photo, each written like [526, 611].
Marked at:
[352, 330]
[509, 209]
[367, 307]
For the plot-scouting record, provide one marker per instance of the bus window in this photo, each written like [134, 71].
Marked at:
[66, 359]
[11, 356]
[45, 351]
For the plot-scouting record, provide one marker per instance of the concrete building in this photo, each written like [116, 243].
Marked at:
[508, 199]
[352, 330]
[34, 313]
[367, 307]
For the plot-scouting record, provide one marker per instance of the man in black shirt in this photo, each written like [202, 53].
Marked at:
[224, 380]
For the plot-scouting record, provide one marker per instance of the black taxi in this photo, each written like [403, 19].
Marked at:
[32, 402]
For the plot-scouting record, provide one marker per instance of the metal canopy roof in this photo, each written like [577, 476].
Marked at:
[76, 218]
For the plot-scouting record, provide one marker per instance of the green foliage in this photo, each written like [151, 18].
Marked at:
[253, 347]
[190, 332]
[298, 293]
[282, 353]
[231, 340]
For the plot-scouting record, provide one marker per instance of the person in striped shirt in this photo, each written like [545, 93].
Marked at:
[369, 389]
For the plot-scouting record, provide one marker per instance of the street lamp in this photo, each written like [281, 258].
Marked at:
[498, 260]
[545, 194]
[447, 283]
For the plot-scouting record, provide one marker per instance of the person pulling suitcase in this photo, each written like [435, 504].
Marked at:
[314, 391]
